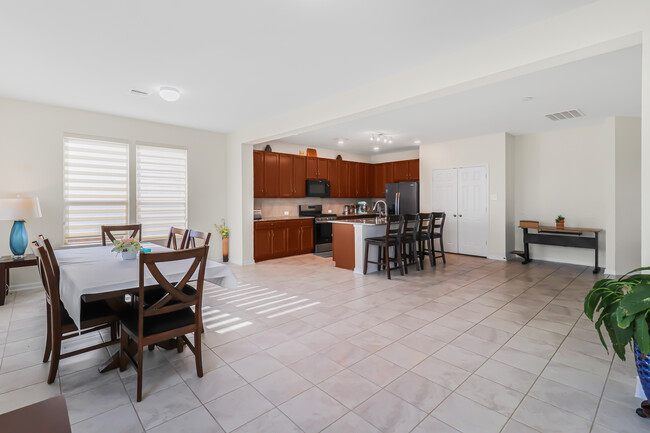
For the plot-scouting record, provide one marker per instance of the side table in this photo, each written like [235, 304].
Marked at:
[9, 262]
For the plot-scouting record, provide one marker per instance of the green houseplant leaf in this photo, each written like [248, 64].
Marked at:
[642, 334]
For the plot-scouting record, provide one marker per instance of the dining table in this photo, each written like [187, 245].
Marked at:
[97, 273]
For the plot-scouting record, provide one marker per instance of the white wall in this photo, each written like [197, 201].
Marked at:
[395, 156]
[564, 172]
[31, 145]
[295, 149]
[487, 150]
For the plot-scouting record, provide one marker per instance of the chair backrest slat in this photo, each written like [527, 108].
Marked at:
[411, 224]
[107, 231]
[192, 235]
[49, 279]
[172, 239]
[394, 226]
[438, 222]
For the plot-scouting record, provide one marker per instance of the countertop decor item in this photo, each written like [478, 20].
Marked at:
[559, 222]
[623, 307]
[267, 148]
[19, 209]
[339, 158]
[224, 231]
[312, 152]
[128, 247]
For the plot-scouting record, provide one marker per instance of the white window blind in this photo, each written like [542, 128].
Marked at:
[161, 189]
[96, 187]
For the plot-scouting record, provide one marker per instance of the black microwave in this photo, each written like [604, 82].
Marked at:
[318, 188]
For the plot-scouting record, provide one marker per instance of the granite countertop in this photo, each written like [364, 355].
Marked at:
[284, 218]
[357, 215]
[361, 221]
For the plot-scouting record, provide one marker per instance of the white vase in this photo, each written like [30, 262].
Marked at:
[129, 255]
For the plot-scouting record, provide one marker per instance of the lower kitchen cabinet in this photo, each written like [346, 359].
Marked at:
[284, 238]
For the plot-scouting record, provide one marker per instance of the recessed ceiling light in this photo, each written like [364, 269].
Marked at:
[169, 94]
[341, 141]
[375, 148]
[417, 141]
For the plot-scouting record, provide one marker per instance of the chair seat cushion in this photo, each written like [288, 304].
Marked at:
[157, 324]
[391, 239]
[154, 294]
[89, 311]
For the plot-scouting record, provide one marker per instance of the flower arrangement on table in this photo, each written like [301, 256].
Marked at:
[128, 247]
[224, 231]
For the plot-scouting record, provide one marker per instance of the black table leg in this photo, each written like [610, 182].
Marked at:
[527, 258]
[596, 268]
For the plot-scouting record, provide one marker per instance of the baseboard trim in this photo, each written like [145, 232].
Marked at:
[496, 257]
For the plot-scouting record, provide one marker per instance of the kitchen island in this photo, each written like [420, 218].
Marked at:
[349, 242]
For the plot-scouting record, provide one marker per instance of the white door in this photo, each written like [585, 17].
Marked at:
[444, 198]
[473, 218]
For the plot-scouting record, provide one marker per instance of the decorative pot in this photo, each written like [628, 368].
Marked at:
[129, 255]
[224, 249]
[643, 370]
[559, 225]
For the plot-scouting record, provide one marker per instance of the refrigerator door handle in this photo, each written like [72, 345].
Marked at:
[397, 203]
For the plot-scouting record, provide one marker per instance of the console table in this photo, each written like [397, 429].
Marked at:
[567, 237]
[9, 262]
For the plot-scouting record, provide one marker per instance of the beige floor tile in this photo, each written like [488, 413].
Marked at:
[351, 422]
[24, 377]
[122, 419]
[236, 350]
[513, 426]
[441, 372]
[620, 418]
[316, 368]
[437, 331]
[281, 385]
[575, 378]
[369, 341]
[519, 359]
[215, 383]
[28, 395]
[401, 355]
[313, 410]
[544, 417]
[165, 405]
[468, 416]
[506, 375]
[431, 425]
[255, 366]
[567, 398]
[238, 407]
[196, 421]
[345, 353]
[422, 343]
[487, 333]
[272, 421]
[460, 357]
[378, 370]
[390, 331]
[186, 367]
[96, 401]
[318, 340]
[419, 391]
[388, 412]
[349, 388]
[491, 394]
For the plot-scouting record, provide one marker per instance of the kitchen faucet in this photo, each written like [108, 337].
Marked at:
[374, 207]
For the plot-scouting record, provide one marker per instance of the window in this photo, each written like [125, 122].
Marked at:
[161, 189]
[96, 187]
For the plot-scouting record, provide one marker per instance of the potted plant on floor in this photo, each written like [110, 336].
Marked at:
[225, 234]
[559, 222]
[623, 307]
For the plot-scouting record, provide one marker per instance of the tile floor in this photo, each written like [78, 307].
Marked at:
[473, 346]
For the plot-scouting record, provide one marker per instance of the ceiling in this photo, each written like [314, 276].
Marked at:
[601, 86]
[235, 62]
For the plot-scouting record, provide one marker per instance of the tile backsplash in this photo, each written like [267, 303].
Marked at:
[275, 207]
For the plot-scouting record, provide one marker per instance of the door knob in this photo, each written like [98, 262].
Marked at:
[460, 215]
[454, 215]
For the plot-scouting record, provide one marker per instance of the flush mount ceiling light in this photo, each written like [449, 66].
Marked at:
[169, 94]
[417, 142]
[375, 148]
[340, 141]
[380, 137]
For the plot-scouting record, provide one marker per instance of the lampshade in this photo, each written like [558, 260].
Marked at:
[21, 208]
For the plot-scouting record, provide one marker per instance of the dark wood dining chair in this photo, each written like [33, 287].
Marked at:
[60, 326]
[170, 317]
[436, 233]
[107, 231]
[425, 241]
[193, 235]
[392, 238]
[172, 239]
[408, 240]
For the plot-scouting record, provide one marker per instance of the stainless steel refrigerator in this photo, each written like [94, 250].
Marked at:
[403, 198]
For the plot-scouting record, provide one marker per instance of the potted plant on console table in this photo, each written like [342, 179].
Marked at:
[559, 222]
[623, 306]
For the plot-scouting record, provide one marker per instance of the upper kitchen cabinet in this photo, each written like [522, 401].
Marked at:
[333, 177]
[316, 168]
[258, 173]
[271, 174]
[278, 175]
[404, 171]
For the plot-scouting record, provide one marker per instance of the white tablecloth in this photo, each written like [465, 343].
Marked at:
[92, 270]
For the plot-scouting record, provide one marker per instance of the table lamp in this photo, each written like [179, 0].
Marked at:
[19, 209]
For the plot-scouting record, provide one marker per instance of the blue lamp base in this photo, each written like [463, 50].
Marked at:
[18, 239]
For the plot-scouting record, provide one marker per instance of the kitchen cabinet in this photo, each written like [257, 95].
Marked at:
[316, 168]
[283, 175]
[283, 238]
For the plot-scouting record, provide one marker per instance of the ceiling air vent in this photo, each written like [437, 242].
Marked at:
[139, 92]
[565, 115]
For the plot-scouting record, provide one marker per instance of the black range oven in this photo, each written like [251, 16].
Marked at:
[322, 226]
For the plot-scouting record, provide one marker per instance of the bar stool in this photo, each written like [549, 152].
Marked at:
[424, 239]
[409, 239]
[439, 224]
[394, 231]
